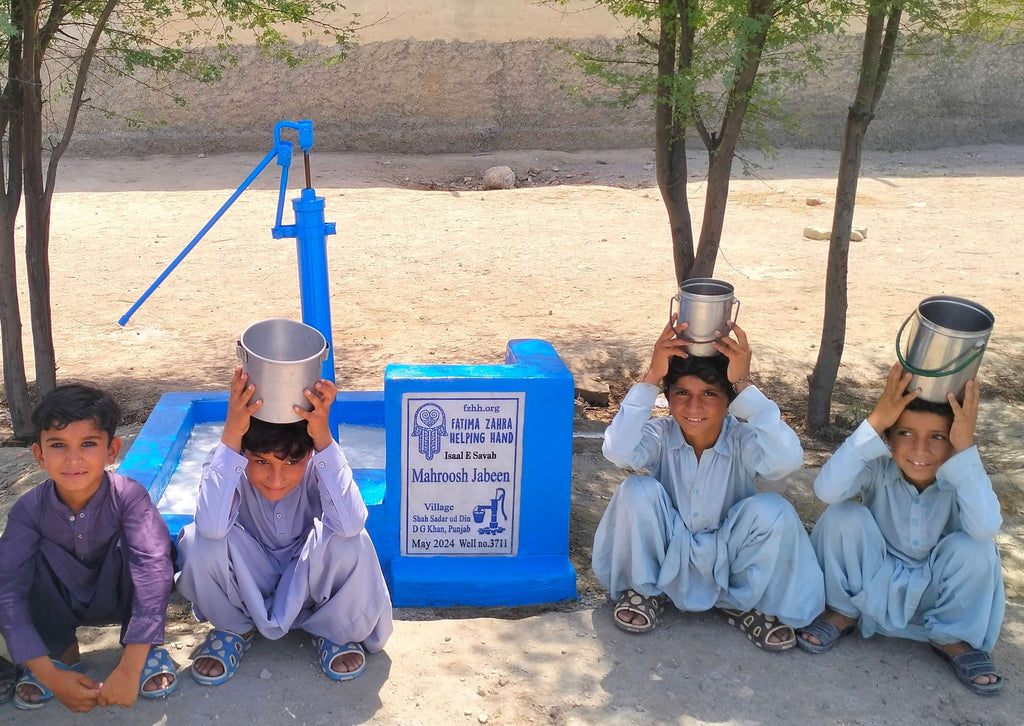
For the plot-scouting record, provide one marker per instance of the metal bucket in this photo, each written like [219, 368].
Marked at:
[707, 305]
[944, 344]
[283, 358]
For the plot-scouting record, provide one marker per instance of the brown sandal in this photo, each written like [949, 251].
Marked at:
[759, 627]
[633, 602]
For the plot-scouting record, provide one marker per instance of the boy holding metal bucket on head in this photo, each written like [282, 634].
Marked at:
[279, 542]
[915, 558]
[695, 531]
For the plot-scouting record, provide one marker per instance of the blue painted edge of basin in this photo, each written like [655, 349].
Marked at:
[154, 455]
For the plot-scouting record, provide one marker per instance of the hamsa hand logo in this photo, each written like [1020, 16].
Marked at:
[428, 427]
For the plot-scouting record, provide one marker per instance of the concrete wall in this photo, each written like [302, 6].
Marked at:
[467, 75]
[492, 21]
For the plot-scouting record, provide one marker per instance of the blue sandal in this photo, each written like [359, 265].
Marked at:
[224, 647]
[157, 662]
[968, 666]
[827, 633]
[45, 694]
[330, 650]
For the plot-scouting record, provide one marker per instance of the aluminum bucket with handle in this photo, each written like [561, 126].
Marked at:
[707, 305]
[945, 339]
[283, 358]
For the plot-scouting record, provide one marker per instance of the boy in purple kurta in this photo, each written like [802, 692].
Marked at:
[85, 547]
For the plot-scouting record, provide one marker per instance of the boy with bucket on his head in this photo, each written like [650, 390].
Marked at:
[695, 531]
[85, 547]
[915, 558]
[279, 542]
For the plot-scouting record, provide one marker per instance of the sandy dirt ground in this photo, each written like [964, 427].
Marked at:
[426, 268]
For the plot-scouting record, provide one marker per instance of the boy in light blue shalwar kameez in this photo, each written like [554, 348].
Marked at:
[915, 558]
[695, 530]
[279, 543]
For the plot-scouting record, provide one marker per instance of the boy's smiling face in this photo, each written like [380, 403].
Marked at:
[920, 445]
[699, 408]
[273, 477]
[75, 457]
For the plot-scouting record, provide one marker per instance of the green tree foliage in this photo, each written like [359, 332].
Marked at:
[51, 50]
[713, 69]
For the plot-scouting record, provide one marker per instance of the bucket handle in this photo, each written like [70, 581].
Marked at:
[979, 348]
[244, 357]
[735, 315]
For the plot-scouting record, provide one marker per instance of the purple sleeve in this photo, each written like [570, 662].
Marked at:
[19, 548]
[149, 563]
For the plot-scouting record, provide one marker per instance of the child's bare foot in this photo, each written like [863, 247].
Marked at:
[208, 667]
[841, 622]
[638, 613]
[347, 662]
[340, 662]
[211, 667]
[630, 618]
[158, 682]
[783, 635]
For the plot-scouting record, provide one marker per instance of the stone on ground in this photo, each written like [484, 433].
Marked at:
[499, 177]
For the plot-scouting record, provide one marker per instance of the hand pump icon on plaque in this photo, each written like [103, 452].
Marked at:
[479, 510]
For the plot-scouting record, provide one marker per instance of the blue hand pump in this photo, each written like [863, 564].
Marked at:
[310, 232]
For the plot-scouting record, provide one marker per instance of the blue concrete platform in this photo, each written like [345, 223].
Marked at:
[473, 506]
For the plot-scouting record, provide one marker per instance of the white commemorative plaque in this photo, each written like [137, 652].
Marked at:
[462, 457]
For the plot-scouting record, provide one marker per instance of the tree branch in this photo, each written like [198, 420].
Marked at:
[892, 31]
[76, 97]
[644, 40]
[739, 94]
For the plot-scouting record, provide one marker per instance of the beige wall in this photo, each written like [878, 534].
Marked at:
[466, 21]
[433, 76]
[495, 21]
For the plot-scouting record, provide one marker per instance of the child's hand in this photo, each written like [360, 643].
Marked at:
[120, 688]
[667, 346]
[738, 352]
[240, 409]
[893, 400]
[965, 417]
[75, 690]
[122, 685]
[318, 420]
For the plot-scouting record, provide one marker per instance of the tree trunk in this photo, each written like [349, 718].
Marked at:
[37, 207]
[15, 382]
[19, 403]
[722, 147]
[678, 207]
[876, 60]
[670, 145]
[833, 333]
[715, 200]
[37, 261]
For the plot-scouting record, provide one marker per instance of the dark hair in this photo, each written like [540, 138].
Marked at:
[712, 369]
[919, 405]
[286, 441]
[74, 402]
